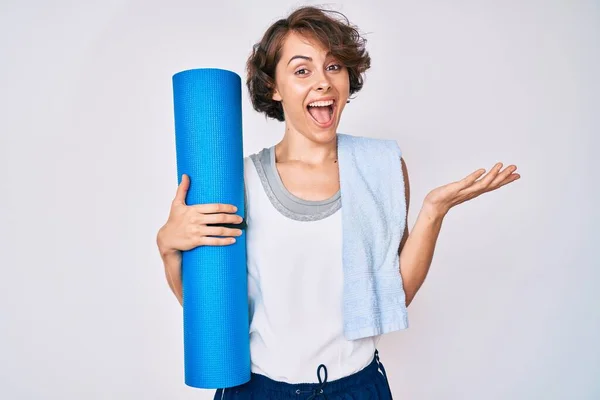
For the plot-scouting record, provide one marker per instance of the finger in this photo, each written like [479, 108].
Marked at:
[213, 241]
[509, 179]
[503, 175]
[211, 208]
[486, 180]
[182, 190]
[219, 231]
[471, 178]
[220, 219]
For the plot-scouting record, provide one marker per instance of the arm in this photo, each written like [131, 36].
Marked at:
[172, 264]
[417, 248]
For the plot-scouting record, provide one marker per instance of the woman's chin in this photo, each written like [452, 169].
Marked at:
[324, 132]
[324, 136]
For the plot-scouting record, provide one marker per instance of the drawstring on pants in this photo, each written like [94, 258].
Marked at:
[319, 390]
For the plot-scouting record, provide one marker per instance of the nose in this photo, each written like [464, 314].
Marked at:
[323, 84]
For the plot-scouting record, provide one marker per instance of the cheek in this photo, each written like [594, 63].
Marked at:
[296, 94]
[342, 84]
[346, 83]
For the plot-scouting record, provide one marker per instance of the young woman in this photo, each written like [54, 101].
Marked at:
[302, 72]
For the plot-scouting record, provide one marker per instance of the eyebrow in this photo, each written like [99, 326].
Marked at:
[304, 57]
[299, 56]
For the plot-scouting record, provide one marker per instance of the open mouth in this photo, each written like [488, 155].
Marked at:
[322, 112]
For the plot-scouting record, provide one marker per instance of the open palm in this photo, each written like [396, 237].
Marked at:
[445, 197]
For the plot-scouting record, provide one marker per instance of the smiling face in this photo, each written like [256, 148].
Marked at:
[312, 86]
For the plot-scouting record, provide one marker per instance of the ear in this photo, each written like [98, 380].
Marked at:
[276, 96]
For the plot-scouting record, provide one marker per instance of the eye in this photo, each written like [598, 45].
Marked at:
[299, 71]
[337, 67]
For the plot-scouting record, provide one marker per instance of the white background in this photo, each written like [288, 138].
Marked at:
[510, 308]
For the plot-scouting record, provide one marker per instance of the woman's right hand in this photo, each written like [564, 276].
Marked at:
[186, 227]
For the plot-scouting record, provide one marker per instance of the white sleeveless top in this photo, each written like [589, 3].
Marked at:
[295, 281]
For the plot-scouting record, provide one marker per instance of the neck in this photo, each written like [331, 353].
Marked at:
[301, 148]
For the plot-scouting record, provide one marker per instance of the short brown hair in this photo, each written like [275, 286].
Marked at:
[339, 37]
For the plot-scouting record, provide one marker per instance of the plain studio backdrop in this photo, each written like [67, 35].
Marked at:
[510, 309]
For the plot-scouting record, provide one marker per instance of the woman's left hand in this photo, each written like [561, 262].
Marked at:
[442, 199]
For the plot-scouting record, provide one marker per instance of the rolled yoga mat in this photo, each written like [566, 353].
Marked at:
[209, 148]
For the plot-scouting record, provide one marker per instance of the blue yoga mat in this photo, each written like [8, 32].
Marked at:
[209, 148]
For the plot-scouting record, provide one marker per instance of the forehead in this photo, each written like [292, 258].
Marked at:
[298, 44]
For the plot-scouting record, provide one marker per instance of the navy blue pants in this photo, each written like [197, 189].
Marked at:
[369, 383]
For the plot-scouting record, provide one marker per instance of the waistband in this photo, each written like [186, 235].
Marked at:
[323, 387]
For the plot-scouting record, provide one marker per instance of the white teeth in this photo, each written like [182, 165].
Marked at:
[321, 103]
